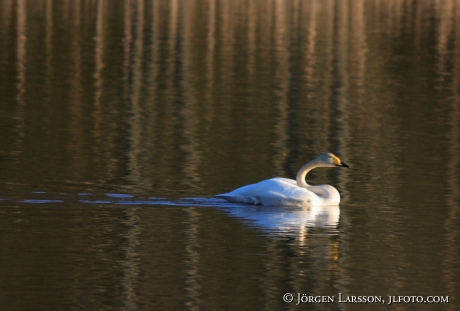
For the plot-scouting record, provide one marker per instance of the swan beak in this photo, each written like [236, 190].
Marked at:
[344, 165]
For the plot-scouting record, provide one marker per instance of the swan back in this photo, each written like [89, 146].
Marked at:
[283, 192]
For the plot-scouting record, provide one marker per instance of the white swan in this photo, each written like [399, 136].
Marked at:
[288, 192]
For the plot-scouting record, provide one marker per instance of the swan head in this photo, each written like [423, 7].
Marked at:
[330, 160]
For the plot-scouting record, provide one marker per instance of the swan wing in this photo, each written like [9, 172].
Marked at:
[275, 192]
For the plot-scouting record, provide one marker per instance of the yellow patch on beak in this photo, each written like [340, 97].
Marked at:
[337, 161]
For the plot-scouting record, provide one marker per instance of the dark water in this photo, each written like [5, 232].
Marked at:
[120, 120]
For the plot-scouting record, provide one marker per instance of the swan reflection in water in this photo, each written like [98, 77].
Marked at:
[288, 219]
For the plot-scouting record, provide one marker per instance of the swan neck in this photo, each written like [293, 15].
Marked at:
[301, 175]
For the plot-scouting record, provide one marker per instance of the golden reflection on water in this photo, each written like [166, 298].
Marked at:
[192, 255]
[130, 263]
[446, 70]
[168, 49]
[21, 64]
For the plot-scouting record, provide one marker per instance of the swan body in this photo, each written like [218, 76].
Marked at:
[288, 192]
